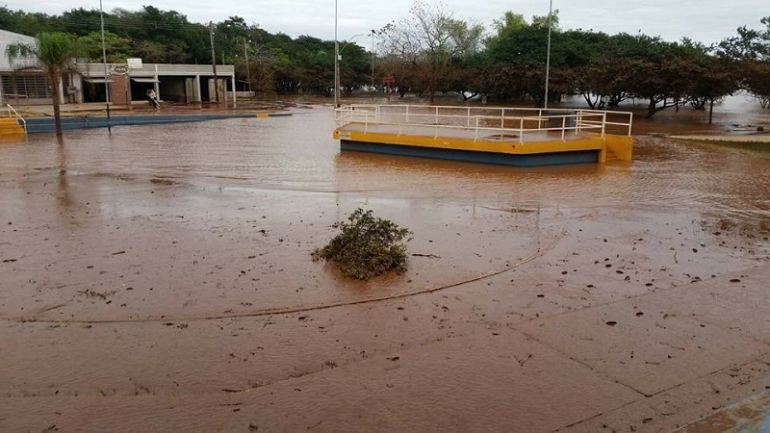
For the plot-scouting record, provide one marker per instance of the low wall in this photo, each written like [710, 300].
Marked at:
[46, 124]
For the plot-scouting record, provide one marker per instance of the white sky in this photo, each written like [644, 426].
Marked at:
[703, 20]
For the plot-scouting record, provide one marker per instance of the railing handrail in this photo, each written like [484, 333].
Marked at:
[18, 117]
[583, 118]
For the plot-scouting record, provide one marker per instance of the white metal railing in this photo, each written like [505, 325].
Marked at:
[502, 121]
[12, 112]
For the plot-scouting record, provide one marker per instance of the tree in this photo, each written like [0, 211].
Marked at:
[519, 53]
[429, 40]
[716, 78]
[751, 49]
[56, 53]
[118, 48]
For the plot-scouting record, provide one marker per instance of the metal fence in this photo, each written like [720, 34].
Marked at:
[500, 122]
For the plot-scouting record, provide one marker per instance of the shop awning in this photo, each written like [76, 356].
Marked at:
[97, 80]
[145, 80]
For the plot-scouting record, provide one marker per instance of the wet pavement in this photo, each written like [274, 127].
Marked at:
[160, 278]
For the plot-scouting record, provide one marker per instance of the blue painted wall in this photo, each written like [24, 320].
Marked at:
[46, 124]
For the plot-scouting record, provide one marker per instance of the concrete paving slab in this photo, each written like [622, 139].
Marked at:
[750, 415]
[675, 408]
[639, 344]
[434, 387]
[737, 302]
[526, 386]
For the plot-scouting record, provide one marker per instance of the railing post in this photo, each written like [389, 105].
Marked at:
[477, 130]
[469, 117]
[604, 122]
[436, 115]
[502, 119]
[630, 122]
[521, 129]
[563, 127]
[579, 122]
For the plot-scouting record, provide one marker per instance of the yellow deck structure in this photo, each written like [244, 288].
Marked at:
[13, 127]
[510, 136]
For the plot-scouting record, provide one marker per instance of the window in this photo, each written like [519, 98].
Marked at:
[28, 86]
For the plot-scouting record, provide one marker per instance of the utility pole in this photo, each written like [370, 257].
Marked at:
[106, 75]
[373, 33]
[336, 60]
[214, 60]
[548, 55]
[248, 68]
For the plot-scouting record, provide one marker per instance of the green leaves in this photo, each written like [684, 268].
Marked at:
[367, 247]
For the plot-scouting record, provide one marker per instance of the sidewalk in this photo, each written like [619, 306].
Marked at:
[745, 138]
[652, 363]
[143, 108]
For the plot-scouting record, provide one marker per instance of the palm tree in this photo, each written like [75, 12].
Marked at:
[56, 53]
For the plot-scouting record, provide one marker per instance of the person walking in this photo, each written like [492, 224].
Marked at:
[153, 99]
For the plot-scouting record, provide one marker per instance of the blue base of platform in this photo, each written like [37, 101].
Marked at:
[46, 124]
[532, 160]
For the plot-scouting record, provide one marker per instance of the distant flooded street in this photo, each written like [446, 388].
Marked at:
[174, 260]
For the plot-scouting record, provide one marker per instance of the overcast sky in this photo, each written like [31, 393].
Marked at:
[703, 20]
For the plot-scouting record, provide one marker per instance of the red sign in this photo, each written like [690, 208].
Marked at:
[389, 79]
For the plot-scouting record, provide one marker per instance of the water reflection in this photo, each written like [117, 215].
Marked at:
[255, 198]
[64, 194]
[298, 153]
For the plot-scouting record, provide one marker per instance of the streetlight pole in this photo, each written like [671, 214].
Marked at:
[339, 51]
[248, 68]
[336, 59]
[548, 55]
[373, 33]
[213, 61]
[106, 75]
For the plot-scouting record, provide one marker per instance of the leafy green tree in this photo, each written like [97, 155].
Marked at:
[56, 53]
[716, 78]
[751, 49]
[118, 48]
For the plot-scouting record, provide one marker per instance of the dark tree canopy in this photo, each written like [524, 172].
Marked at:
[432, 51]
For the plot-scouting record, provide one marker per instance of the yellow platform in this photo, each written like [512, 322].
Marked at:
[495, 148]
[10, 126]
[496, 135]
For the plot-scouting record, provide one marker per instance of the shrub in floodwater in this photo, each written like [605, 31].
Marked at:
[367, 247]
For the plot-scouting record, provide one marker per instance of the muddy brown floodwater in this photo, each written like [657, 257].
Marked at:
[173, 263]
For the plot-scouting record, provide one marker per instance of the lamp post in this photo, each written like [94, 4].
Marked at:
[336, 60]
[548, 54]
[374, 32]
[106, 75]
[248, 68]
[213, 61]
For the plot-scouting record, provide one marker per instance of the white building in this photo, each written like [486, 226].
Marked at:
[16, 83]
[184, 84]
[23, 84]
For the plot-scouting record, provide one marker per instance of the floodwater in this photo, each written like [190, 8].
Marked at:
[210, 223]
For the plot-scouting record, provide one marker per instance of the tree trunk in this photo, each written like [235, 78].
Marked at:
[54, 76]
[711, 111]
[652, 108]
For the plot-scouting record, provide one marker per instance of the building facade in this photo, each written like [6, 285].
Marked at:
[23, 82]
[184, 84]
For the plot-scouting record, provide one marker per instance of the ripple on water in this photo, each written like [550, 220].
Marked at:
[290, 168]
